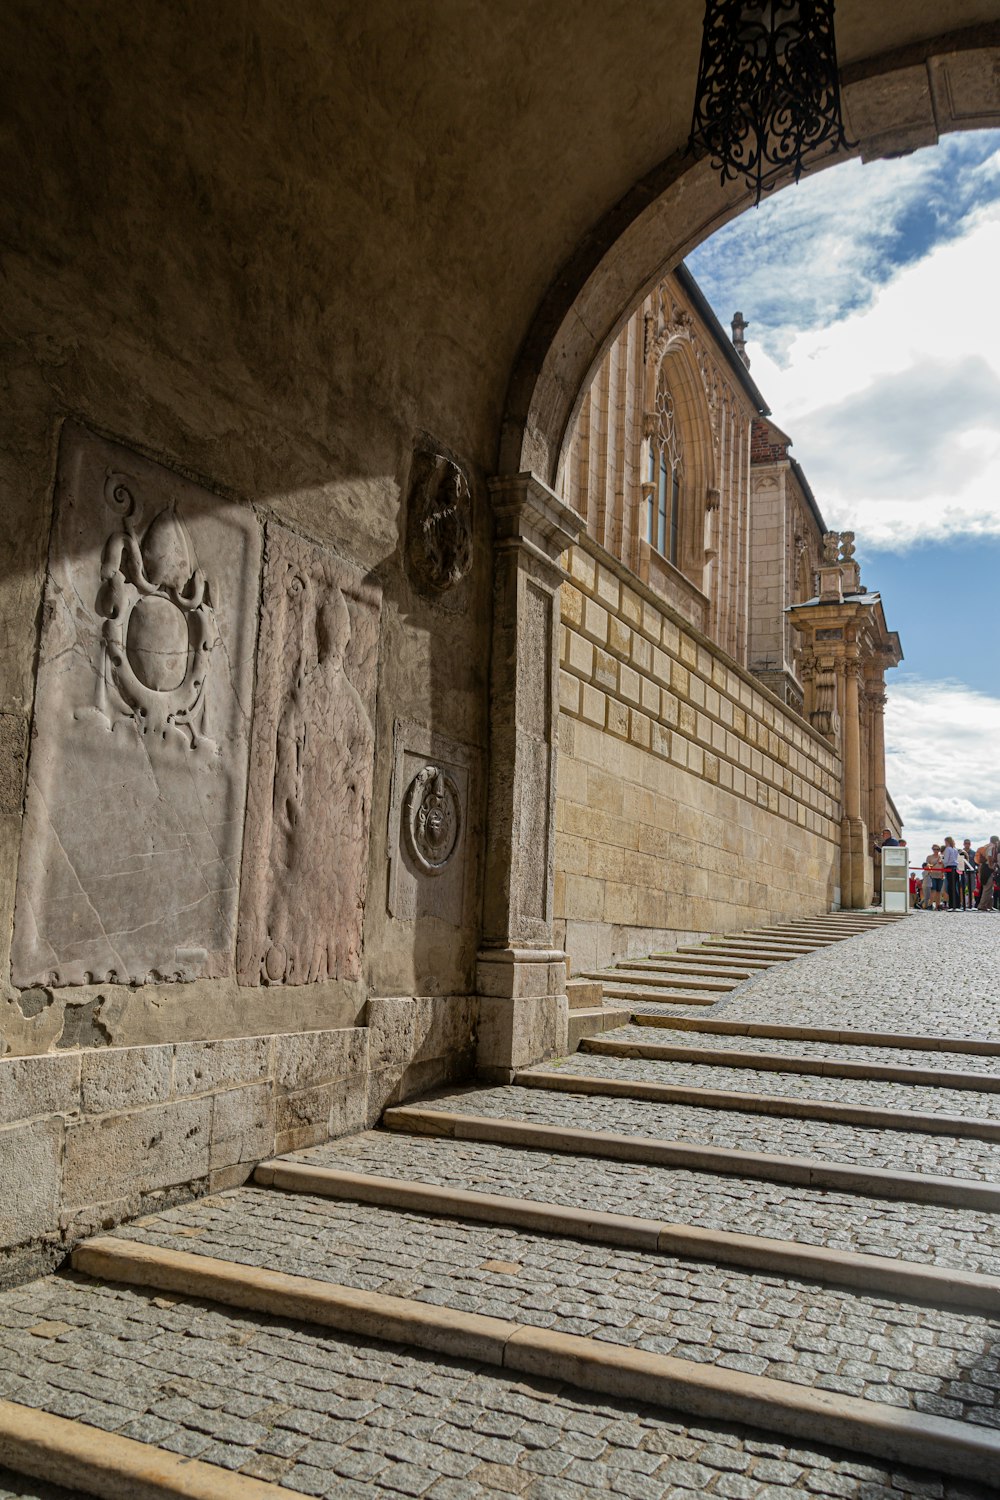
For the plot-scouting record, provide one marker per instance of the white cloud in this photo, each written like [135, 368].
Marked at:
[941, 764]
[872, 292]
[814, 253]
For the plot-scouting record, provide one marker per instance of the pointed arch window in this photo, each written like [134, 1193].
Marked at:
[666, 478]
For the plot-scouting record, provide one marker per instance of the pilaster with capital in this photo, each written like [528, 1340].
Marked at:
[521, 975]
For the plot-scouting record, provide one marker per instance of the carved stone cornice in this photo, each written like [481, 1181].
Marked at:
[530, 516]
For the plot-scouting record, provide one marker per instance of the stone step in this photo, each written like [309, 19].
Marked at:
[876, 1182]
[710, 960]
[711, 955]
[687, 966]
[589, 1021]
[463, 1430]
[819, 1217]
[584, 991]
[780, 954]
[597, 1365]
[850, 928]
[664, 979]
[105, 1464]
[766, 945]
[913, 1042]
[650, 996]
[681, 968]
[944, 1286]
[788, 1105]
[822, 935]
[803, 1064]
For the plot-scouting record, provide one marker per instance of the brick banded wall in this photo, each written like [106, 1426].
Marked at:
[690, 800]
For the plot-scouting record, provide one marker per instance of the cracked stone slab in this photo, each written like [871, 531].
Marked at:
[305, 859]
[131, 842]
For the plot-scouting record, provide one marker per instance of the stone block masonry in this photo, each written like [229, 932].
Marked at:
[690, 799]
[90, 1138]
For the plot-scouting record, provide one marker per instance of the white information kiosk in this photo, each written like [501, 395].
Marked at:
[895, 879]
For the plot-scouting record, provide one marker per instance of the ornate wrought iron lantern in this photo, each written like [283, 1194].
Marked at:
[768, 96]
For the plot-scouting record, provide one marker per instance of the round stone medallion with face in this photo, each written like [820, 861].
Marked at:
[432, 819]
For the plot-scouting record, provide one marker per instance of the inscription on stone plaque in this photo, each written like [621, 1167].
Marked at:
[433, 790]
[133, 826]
[305, 856]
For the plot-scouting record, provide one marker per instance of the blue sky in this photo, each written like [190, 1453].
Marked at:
[872, 295]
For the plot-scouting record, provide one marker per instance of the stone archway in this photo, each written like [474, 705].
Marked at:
[893, 104]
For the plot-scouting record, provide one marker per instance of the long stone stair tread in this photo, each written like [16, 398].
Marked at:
[915, 1109]
[862, 1422]
[661, 997]
[819, 1060]
[822, 929]
[847, 1146]
[962, 1238]
[669, 981]
[688, 966]
[776, 945]
[747, 950]
[872, 1274]
[851, 1037]
[711, 961]
[701, 975]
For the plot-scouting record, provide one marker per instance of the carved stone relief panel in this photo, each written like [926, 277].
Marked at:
[305, 852]
[131, 841]
[434, 792]
[438, 523]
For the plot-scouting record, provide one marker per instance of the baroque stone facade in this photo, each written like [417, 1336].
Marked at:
[715, 768]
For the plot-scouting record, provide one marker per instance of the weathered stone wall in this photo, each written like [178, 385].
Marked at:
[90, 1137]
[144, 1053]
[132, 863]
[689, 799]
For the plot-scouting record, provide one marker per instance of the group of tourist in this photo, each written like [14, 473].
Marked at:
[964, 879]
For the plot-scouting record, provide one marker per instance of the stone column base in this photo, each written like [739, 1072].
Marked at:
[856, 865]
[523, 1010]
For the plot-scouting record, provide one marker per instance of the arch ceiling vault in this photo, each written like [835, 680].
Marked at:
[448, 206]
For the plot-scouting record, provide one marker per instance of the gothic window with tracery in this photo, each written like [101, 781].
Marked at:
[666, 478]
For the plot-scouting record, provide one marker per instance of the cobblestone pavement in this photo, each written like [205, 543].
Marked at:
[875, 1093]
[17, 1487]
[857, 1145]
[936, 975]
[945, 1363]
[327, 1415]
[331, 1416]
[964, 1239]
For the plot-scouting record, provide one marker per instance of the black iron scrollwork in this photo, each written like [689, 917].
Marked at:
[768, 95]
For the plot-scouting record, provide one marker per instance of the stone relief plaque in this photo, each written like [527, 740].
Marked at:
[305, 852]
[438, 523]
[432, 819]
[133, 825]
[434, 782]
